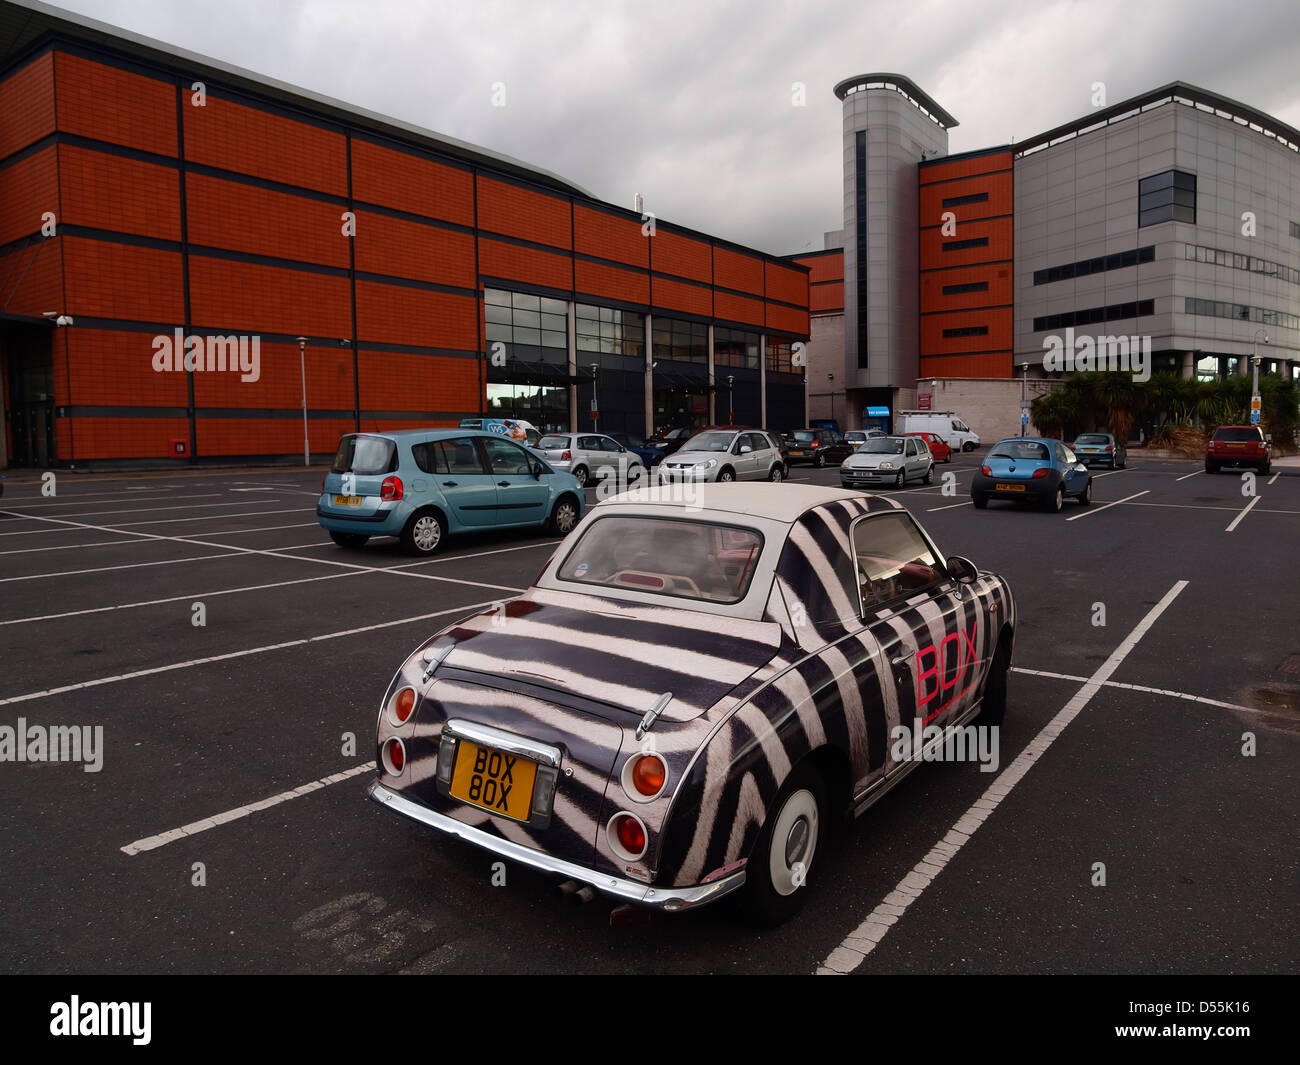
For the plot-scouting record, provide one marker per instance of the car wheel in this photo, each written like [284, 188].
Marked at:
[1085, 497]
[1058, 500]
[564, 516]
[1123, 462]
[423, 533]
[786, 850]
[993, 704]
[929, 474]
[820, 461]
[968, 446]
[948, 457]
[980, 500]
[1266, 469]
[777, 474]
[727, 475]
[1211, 467]
[901, 479]
[581, 474]
[349, 540]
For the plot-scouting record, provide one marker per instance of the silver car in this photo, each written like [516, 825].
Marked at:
[858, 437]
[725, 455]
[888, 459]
[591, 457]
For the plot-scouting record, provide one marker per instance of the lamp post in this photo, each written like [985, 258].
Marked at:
[1024, 394]
[830, 377]
[595, 411]
[1254, 392]
[302, 370]
[731, 399]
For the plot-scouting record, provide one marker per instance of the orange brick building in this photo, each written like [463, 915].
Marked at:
[144, 190]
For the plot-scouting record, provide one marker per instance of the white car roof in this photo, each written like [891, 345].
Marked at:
[777, 502]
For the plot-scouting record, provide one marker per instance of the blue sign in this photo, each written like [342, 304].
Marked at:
[877, 412]
[1254, 417]
[1024, 417]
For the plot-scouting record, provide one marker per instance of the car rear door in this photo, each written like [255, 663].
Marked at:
[466, 484]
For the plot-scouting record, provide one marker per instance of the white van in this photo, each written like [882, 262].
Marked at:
[945, 424]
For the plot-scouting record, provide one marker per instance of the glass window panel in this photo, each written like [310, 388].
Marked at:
[523, 301]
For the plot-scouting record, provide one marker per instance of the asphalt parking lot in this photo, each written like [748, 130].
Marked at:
[226, 830]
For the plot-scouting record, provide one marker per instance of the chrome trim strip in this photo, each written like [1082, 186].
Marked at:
[487, 736]
[670, 899]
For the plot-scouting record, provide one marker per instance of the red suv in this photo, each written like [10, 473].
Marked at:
[1237, 445]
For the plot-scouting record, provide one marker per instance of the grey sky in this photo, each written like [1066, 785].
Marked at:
[690, 103]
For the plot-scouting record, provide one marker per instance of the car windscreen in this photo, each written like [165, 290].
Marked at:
[553, 443]
[1237, 435]
[882, 445]
[666, 556]
[710, 442]
[1093, 438]
[1019, 450]
[364, 455]
[803, 436]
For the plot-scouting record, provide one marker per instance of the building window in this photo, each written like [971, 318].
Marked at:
[967, 331]
[960, 201]
[1295, 229]
[1167, 197]
[533, 328]
[970, 286]
[974, 242]
[1115, 312]
[1115, 261]
[1241, 312]
[681, 341]
[608, 331]
[780, 356]
[735, 347]
[1253, 263]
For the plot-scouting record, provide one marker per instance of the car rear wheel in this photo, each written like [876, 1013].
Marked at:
[1058, 501]
[787, 848]
[993, 705]
[727, 475]
[980, 500]
[1266, 469]
[968, 446]
[929, 474]
[349, 540]
[581, 474]
[1211, 467]
[1123, 461]
[564, 516]
[820, 461]
[1085, 497]
[777, 474]
[423, 533]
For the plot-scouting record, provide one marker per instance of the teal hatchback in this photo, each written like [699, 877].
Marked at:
[422, 485]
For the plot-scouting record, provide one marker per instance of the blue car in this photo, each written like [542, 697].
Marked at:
[1031, 469]
[422, 485]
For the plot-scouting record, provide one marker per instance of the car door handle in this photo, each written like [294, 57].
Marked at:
[449, 484]
[503, 484]
[901, 662]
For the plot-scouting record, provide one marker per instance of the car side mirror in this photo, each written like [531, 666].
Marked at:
[962, 570]
[745, 449]
[537, 471]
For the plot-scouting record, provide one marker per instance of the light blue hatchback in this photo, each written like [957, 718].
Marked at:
[422, 485]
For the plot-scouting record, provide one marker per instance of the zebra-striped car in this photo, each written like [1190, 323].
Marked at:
[699, 683]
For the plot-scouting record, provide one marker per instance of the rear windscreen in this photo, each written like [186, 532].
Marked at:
[1237, 435]
[1020, 450]
[364, 455]
[553, 443]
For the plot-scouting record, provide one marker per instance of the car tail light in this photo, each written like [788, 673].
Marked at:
[391, 488]
[1110, 447]
[394, 756]
[1041, 472]
[627, 835]
[814, 443]
[567, 456]
[323, 478]
[644, 776]
[402, 705]
[987, 471]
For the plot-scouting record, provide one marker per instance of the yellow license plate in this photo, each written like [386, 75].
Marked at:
[494, 780]
[347, 501]
[1011, 488]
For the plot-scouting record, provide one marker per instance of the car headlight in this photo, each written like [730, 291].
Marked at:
[886, 466]
[705, 465]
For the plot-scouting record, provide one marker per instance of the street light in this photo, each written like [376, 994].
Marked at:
[595, 412]
[302, 370]
[1254, 392]
[731, 399]
[1024, 394]
[831, 386]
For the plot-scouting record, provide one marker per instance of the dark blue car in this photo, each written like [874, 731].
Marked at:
[1031, 469]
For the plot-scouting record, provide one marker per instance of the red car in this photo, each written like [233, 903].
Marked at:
[941, 451]
[1237, 445]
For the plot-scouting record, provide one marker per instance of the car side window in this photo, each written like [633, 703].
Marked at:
[756, 441]
[506, 457]
[457, 456]
[429, 457]
[1063, 454]
[893, 559]
[911, 448]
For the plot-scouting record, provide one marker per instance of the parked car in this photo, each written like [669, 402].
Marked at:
[636, 444]
[667, 441]
[941, 451]
[1238, 445]
[591, 457]
[888, 460]
[858, 437]
[693, 693]
[726, 455]
[422, 485]
[1100, 449]
[945, 424]
[819, 447]
[1031, 469]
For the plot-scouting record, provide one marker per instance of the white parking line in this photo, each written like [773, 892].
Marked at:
[853, 951]
[1244, 511]
[1275, 477]
[40, 501]
[1141, 688]
[208, 517]
[109, 569]
[162, 839]
[950, 506]
[30, 696]
[1098, 510]
[268, 528]
[1186, 475]
[66, 547]
[1111, 473]
[155, 510]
